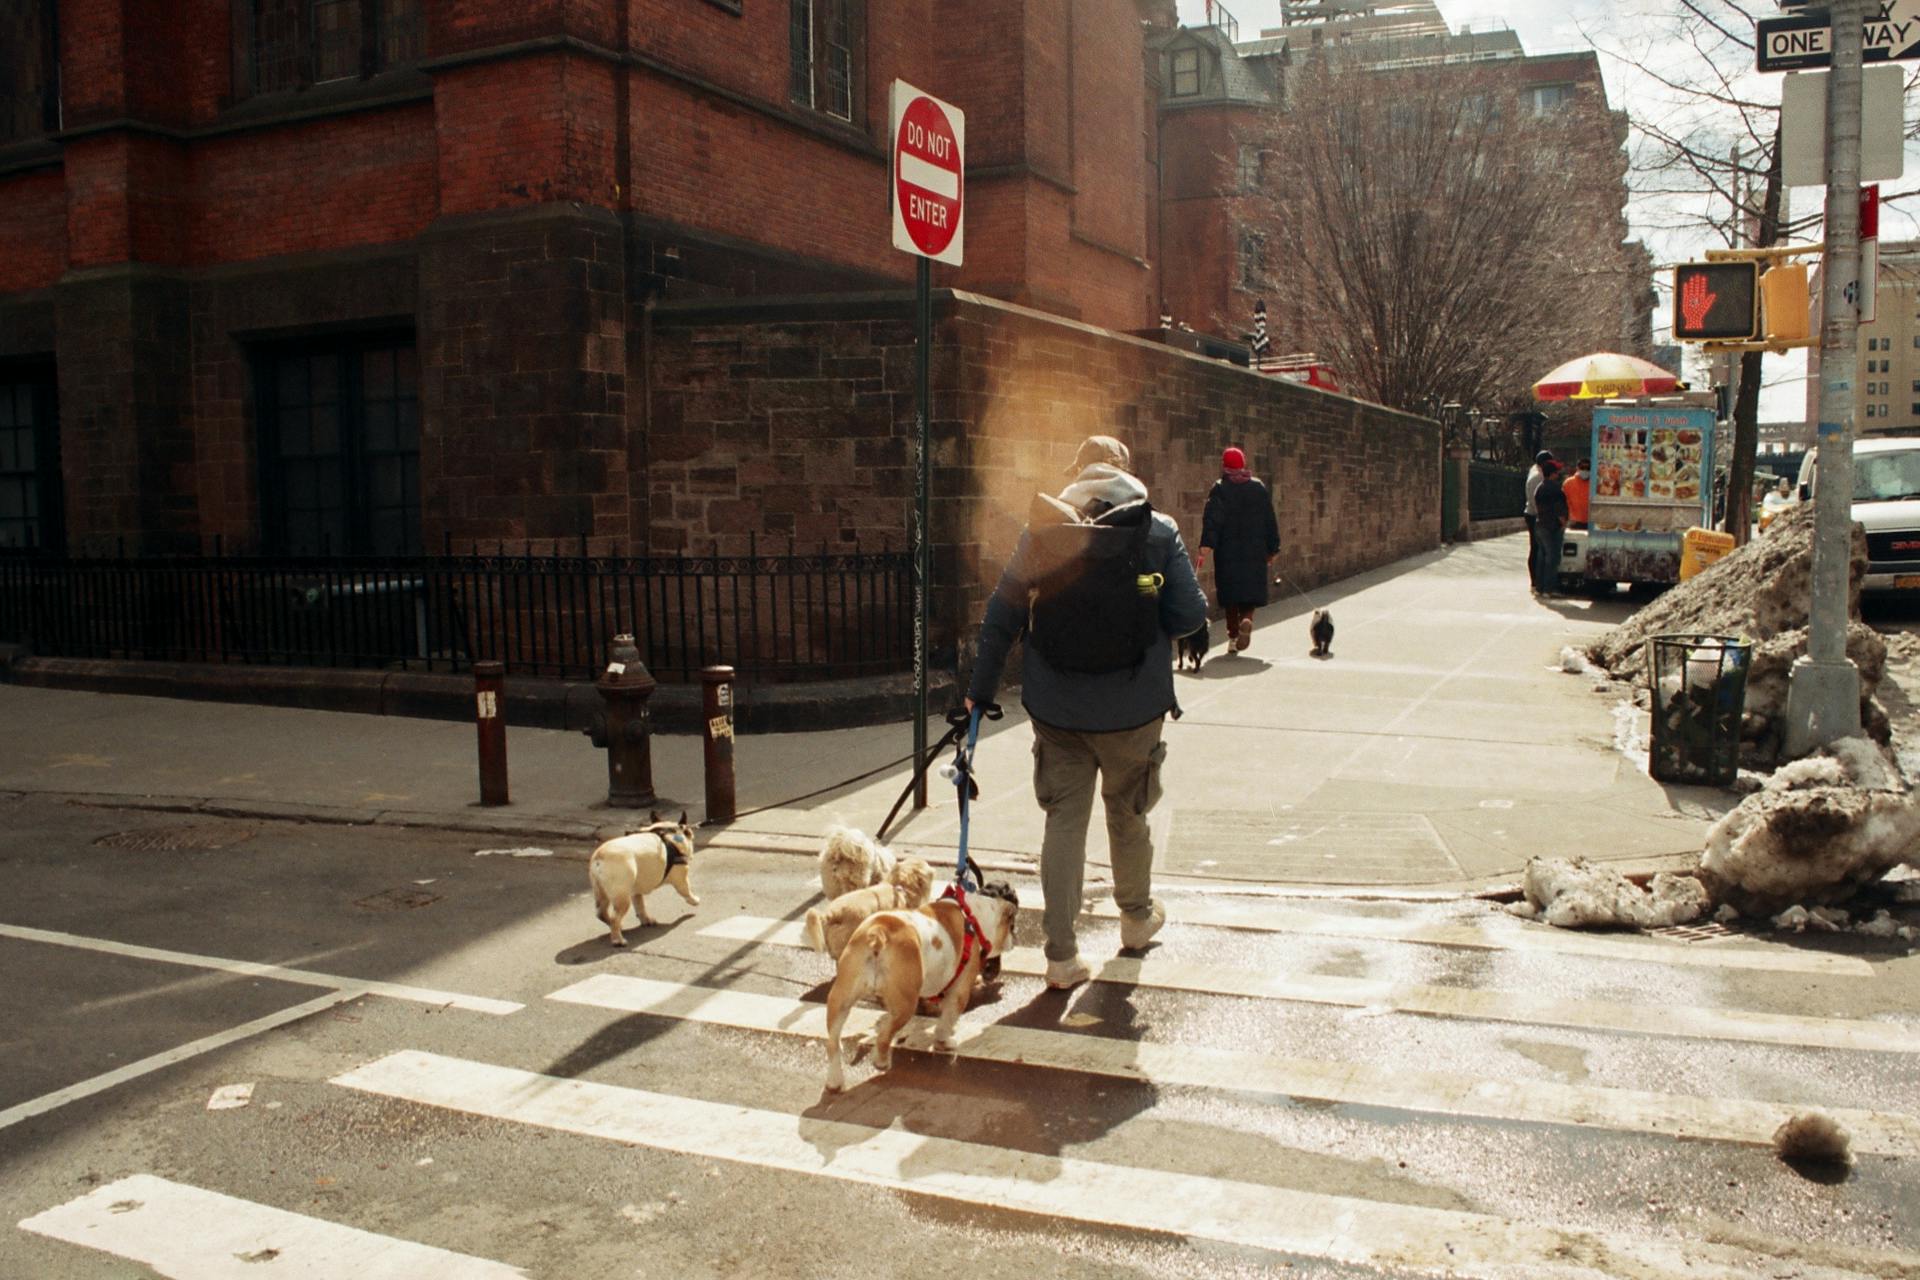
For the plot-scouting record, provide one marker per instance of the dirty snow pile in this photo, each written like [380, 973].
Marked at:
[1821, 828]
[1759, 591]
[1576, 894]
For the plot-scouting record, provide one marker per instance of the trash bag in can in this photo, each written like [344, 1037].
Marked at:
[1699, 688]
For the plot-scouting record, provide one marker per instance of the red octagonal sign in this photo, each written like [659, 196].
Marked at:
[929, 175]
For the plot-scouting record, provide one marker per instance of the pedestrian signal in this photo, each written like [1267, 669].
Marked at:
[1783, 298]
[1716, 301]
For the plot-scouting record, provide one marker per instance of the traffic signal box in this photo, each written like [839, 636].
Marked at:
[1783, 302]
[1716, 301]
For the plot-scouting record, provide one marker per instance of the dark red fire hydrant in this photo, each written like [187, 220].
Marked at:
[624, 727]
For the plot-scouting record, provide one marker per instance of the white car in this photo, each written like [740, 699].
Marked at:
[1886, 501]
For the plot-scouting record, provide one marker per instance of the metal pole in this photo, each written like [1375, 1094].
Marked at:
[1823, 691]
[717, 740]
[489, 691]
[922, 535]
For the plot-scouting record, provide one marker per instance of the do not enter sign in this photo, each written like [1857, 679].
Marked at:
[929, 175]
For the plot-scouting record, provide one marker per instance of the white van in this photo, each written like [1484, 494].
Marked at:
[1886, 501]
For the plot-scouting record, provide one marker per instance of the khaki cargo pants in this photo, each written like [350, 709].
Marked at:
[1066, 763]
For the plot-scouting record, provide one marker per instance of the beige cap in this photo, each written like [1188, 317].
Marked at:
[1098, 449]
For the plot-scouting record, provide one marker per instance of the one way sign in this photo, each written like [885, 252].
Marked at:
[1891, 32]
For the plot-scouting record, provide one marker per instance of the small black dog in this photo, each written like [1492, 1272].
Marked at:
[1190, 649]
[1321, 629]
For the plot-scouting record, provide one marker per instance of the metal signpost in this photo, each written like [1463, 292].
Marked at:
[928, 186]
[1823, 691]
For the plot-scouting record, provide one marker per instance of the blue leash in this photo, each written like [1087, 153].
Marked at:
[960, 772]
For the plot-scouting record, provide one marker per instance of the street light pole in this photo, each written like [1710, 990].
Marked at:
[1823, 691]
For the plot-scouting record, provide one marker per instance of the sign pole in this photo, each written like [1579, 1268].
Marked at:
[922, 532]
[1823, 690]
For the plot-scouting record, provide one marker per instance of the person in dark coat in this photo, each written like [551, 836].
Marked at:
[1238, 526]
[1550, 525]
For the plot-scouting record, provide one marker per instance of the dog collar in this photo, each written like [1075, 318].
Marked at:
[676, 857]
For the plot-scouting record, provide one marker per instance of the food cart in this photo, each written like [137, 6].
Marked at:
[1652, 481]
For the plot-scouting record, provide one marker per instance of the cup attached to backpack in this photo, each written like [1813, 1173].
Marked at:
[1149, 584]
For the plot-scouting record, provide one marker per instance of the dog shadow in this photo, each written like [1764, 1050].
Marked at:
[637, 935]
[1317, 656]
[972, 1100]
[1230, 666]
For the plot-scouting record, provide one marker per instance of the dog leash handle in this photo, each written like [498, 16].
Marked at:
[963, 779]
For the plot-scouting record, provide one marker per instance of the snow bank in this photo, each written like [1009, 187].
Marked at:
[1575, 894]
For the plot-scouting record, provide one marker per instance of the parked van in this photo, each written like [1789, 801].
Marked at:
[1886, 501]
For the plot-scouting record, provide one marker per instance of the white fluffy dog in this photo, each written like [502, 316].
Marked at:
[849, 861]
[828, 927]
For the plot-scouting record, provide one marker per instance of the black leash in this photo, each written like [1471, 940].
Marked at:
[957, 722]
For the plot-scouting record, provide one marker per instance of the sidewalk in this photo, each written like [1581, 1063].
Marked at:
[1439, 747]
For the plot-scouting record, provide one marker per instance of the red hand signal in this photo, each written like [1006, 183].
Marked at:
[1695, 301]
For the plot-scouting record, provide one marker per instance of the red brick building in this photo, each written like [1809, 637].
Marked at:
[362, 274]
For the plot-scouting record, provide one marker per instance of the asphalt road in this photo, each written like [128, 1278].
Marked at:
[453, 1075]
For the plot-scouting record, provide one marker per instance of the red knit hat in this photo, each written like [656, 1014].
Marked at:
[1233, 459]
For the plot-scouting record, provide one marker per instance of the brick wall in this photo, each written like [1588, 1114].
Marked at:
[798, 419]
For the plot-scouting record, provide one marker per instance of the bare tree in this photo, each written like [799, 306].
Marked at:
[1436, 237]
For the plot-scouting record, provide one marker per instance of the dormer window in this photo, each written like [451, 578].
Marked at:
[1186, 73]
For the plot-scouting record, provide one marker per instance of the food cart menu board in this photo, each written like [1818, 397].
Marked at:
[1653, 455]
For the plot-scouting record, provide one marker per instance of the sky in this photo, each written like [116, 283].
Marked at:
[1622, 31]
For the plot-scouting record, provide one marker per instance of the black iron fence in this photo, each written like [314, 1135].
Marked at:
[774, 616]
[1495, 492]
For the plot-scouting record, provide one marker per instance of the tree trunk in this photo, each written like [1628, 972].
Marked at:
[1746, 402]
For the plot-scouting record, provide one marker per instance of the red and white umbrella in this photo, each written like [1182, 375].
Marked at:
[1605, 374]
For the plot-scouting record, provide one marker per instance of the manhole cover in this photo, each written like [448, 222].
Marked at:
[174, 839]
[1304, 845]
[397, 900]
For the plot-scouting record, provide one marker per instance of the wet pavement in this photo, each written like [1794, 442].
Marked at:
[523, 1099]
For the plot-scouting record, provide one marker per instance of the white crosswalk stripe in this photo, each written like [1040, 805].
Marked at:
[1279, 1219]
[188, 1233]
[1453, 1002]
[1676, 1115]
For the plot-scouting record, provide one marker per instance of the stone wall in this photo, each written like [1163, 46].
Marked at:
[796, 418]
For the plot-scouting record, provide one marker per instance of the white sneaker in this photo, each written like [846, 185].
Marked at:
[1063, 974]
[1136, 933]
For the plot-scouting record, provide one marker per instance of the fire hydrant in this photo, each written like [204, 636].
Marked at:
[623, 726]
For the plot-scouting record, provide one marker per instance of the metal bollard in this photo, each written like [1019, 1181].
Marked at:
[489, 687]
[717, 733]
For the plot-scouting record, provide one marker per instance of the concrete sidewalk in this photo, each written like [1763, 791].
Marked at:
[1441, 746]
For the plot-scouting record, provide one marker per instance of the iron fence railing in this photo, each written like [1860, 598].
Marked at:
[774, 616]
[1495, 492]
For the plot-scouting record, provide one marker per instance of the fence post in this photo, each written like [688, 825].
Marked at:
[717, 734]
[489, 680]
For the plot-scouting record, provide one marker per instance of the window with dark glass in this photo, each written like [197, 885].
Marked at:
[29, 69]
[821, 38]
[1186, 73]
[1249, 167]
[291, 44]
[29, 465]
[339, 447]
[1253, 258]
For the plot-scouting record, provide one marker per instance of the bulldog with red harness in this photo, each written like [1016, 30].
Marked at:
[932, 953]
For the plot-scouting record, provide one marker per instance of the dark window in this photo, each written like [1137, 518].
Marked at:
[1186, 73]
[29, 69]
[821, 41]
[290, 44]
[1253, 259]
[340, 447]
[1249, 168]
[29, 464]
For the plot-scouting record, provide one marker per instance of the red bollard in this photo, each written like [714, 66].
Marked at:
[717, 731]
[489, 681]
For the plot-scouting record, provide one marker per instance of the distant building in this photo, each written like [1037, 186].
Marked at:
[1217, 89]
[1887, 370]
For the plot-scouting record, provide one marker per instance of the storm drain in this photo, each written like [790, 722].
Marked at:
[177, 839]
[1707, 931]
[397, 900]
[1304, 845]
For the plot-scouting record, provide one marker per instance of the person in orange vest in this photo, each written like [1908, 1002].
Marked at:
[1576, 489]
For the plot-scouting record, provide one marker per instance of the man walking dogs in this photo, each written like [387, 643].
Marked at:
[1100, 585]
[1239, 528]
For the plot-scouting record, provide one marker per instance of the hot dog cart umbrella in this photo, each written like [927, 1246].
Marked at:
[1604, 375]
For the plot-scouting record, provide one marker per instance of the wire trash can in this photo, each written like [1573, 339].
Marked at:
[1699, 687]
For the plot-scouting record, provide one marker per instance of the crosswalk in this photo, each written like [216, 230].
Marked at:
[744, 977]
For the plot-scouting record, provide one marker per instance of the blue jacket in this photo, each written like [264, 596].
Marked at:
[1113, 700]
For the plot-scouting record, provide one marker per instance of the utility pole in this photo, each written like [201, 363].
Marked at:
[1823, 691]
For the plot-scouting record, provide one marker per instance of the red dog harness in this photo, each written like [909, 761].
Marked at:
[969, 934]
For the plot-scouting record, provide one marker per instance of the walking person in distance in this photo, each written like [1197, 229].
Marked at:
[1238, 526]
